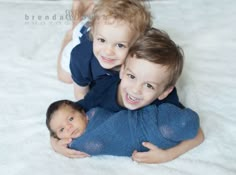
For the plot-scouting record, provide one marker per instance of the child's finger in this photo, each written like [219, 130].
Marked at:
[149, 145]
[77, 154]
[139, 157]
[64, 141]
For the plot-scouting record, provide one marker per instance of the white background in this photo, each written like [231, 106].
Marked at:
[28, 84]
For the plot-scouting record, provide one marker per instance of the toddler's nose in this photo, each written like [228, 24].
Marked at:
[109, 50]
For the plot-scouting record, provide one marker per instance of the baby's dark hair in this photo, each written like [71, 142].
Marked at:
[55, 106]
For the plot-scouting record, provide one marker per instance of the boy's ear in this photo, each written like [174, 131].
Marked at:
[166, 93]
[122, 69]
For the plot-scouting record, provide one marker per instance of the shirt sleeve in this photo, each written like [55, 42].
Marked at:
[177, 124]
[80, 62]
[102, 94]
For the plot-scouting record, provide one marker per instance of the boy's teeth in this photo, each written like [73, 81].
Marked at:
[132, 98]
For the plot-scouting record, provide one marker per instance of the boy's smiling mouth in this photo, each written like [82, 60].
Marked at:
[131, 99]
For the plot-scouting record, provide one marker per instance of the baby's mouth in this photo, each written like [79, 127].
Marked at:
[75, 133]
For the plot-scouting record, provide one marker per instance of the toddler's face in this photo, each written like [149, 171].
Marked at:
[67, 122]
[111, 42]
[142, 82]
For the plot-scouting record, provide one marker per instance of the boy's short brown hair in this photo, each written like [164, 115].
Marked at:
[134, 12]
[157, 47]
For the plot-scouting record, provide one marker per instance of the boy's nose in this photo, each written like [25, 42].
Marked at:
[136, 88]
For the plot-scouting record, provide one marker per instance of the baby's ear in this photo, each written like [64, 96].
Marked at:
[166, 93]
[53, 134]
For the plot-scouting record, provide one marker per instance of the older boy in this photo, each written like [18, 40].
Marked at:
[148, 76]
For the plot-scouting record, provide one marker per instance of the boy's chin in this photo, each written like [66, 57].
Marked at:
[132, 107]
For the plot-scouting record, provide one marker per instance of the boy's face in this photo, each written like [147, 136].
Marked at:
[67, 122]
[111, 42]
[142, 82]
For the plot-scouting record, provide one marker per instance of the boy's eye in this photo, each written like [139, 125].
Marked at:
[149, 86]
[121, 45]
[131, 76]
[101, 40]
[61, 130]
[71, 118]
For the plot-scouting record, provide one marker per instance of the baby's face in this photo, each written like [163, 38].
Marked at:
[111, 42]
[67, 122]
[142, 82]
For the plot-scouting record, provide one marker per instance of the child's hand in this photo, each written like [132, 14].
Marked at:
[60, 146]
[157, 155]
[154, 155]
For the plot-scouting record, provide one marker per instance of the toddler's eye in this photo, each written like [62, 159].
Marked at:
[121, 45]
[62, 129]
[101, 40]
[149, 86]
[131, 76]
[71, 118]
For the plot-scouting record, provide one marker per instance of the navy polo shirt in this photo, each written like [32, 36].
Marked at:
[104, 94]
[84, 66]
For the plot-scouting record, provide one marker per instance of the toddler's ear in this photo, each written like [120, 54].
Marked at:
[91, 33]
[122, 71]
[166, 93]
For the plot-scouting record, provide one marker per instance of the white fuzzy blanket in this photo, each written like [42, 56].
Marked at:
[29, 47]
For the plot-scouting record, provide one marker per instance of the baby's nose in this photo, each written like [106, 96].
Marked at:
[69, 127]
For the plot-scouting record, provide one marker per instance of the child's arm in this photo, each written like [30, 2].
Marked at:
[60, 146]
[81, 8]
[62, 74]
[157, 155]
[80, 91]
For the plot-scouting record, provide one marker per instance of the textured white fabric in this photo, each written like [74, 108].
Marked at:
[29, 48]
